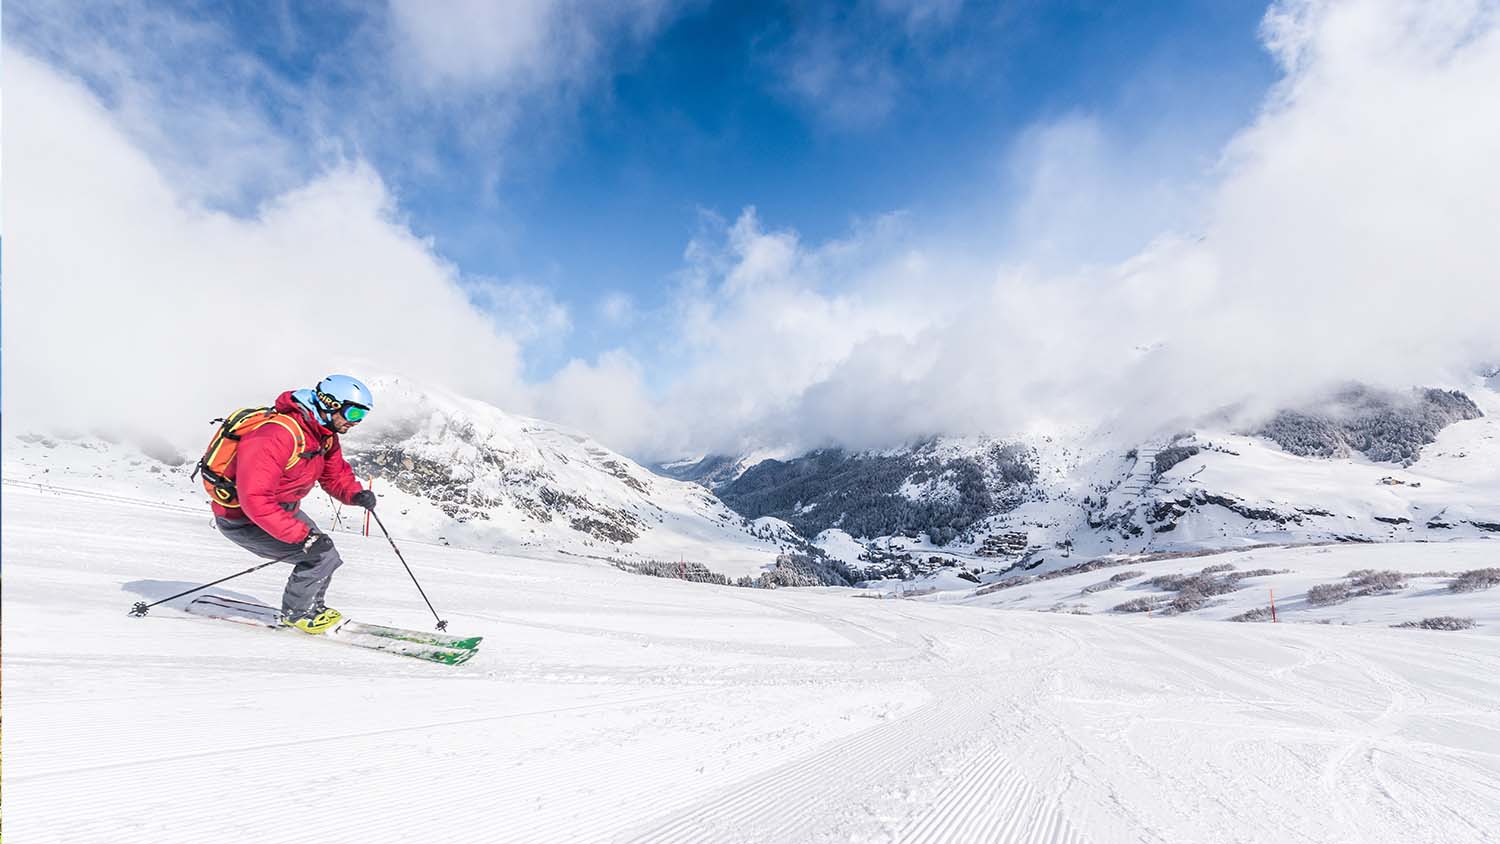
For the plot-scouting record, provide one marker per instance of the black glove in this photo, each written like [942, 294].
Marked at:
[316, 544]
[364, 498]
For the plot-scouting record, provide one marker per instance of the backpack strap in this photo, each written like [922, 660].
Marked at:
[299, 439]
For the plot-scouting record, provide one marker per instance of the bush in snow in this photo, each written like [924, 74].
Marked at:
[1442, 622]
[1361, 582]
[1325, 594]
[1257, 614]
[1218, 568]
[1372, 582]
[1241, 575]
[1114, 581]
[1143, 604]
[1203, 584]
[1187, 600]
[1475, 581]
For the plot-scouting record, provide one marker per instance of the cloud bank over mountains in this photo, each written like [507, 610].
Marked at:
[1347, 233]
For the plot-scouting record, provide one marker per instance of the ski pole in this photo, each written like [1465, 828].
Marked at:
[441, 624]
[141, 607]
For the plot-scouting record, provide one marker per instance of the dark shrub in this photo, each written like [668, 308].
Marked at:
[1241, 575]
[1326, 594]
[1144, 604]
[1187, 600]
[1111, 583]
[1442, 622]
[1371, 582]
[1475, 581]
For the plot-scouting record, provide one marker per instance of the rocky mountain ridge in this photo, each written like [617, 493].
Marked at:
[1351, 469]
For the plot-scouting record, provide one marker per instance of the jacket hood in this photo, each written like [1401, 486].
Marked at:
[287, 403]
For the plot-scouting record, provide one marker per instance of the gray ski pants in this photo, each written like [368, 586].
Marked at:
[310, 575]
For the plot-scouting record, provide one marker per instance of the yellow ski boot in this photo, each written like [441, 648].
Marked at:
[316, 620]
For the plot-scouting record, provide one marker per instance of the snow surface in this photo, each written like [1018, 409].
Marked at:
[840, 546]
[605, 706]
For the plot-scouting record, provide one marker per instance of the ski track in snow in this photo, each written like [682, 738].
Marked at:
[609, 707]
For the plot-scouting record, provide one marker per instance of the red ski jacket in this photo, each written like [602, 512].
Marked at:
[264, 484]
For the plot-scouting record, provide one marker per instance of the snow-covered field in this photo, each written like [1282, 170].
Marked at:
[605, 706]
[1429, 569]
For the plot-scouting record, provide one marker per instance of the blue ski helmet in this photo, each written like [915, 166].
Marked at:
[337, 393]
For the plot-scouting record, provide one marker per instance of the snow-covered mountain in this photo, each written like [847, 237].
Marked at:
[456, 471]
[1364, 467]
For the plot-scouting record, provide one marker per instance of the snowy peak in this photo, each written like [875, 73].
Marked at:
[474, 461]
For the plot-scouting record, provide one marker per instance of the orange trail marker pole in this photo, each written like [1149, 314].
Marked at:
[1273, 605]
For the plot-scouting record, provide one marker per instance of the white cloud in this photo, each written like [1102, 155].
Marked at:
[849, 66]
[524, 44]
[1089, 194]
[179, 88]
[608, 399]
[526, 312]
[832, 72]
[922, 14]
[130, 306]
[617, 308]
[435, 92]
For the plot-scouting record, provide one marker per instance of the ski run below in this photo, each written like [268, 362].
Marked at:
[606, 706]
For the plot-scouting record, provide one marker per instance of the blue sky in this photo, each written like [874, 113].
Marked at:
[689, 226]
[589, 180]
[699, 120]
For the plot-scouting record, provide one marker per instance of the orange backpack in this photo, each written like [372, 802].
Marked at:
[222, 448]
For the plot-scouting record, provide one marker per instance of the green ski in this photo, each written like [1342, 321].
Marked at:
[448, 650]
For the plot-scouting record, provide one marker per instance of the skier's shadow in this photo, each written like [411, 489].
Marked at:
[155, 590]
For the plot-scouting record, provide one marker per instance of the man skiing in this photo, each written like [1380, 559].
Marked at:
[274, 467]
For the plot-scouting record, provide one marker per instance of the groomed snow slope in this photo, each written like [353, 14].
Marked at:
[605, 706]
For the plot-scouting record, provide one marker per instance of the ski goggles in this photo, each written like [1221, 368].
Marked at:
[355, 412]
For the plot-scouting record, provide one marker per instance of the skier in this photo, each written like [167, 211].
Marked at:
[271, 478]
